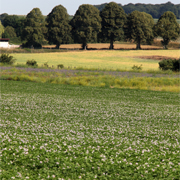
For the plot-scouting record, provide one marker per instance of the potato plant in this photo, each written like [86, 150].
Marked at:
[51, 131]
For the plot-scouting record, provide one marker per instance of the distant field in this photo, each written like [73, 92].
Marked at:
[118, 45]
[115, 59]
[178, 21]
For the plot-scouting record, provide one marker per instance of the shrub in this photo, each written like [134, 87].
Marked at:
[60, 66]
[7, 59]
[137, 67]
[46, 64]
[170, 64]
[32, 63]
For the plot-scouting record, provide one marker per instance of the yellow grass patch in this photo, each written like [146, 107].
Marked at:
[103, 59]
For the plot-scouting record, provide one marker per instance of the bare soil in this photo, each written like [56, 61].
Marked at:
[154, 57]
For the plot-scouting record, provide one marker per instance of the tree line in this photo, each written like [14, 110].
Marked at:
[91, 25]
[154, 10]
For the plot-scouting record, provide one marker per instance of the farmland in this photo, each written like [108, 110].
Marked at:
[51, 131]
[123, 60]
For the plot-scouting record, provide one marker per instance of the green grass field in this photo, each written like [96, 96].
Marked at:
[117, 59]
[51, 131]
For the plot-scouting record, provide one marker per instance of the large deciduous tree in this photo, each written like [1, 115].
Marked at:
[34, 29]
[86, 24]
[167, 28]
[139, 27]
[113, 19]
[59, 30]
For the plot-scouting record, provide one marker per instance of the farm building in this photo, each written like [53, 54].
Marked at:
[4, 43]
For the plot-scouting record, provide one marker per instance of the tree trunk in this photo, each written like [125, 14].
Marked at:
[57, 46]
[165, 43]
[138, 46]
[84, 46]
[111, 45]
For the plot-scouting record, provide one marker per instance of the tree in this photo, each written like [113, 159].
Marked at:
[139, 28]
[20, 26]
[2, 17]
[59, 30]
[11, 20]
[1, 29]
[167, 28]
[34, 29]
[9, 32]
[86, 24]
[113, 19]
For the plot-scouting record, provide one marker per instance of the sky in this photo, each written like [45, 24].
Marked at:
[23, 7]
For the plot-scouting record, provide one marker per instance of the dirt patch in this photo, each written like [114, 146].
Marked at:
[155, 57]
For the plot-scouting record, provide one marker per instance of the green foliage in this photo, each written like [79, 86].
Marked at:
[139, 28]
[155, 10]
[170, 64]
[2, 17]
[86, 24]
[9, 32]
[167, 28]
[60, 66]
[1, 29]
[11, 20]
[32, 63]
[136, 67]
[7, 59]
[113, 19]
[20, 26]
[58, 26]
[34, 29]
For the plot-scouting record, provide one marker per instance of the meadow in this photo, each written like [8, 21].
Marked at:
[156, 81]
[51, 131]
[98, 59]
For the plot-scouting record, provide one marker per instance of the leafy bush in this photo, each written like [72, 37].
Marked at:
[170, 64]
[137, 67]
[31, 63]
[60, 66]
[46, 64]
[7, 59]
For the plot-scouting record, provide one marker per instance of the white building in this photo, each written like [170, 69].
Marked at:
[4, 43]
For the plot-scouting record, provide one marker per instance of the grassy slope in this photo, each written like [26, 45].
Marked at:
[57, 131]
[99, 59]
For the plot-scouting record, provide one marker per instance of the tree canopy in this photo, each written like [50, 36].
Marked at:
[58, 26]
[139, 27]
[10, 20]
[2, 17]
[34, 28]
[167, 28]
[9, 32]
[86, 24]
[113, 19]
[155, 10]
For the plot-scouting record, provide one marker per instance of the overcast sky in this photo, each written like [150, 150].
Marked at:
[23, 7]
